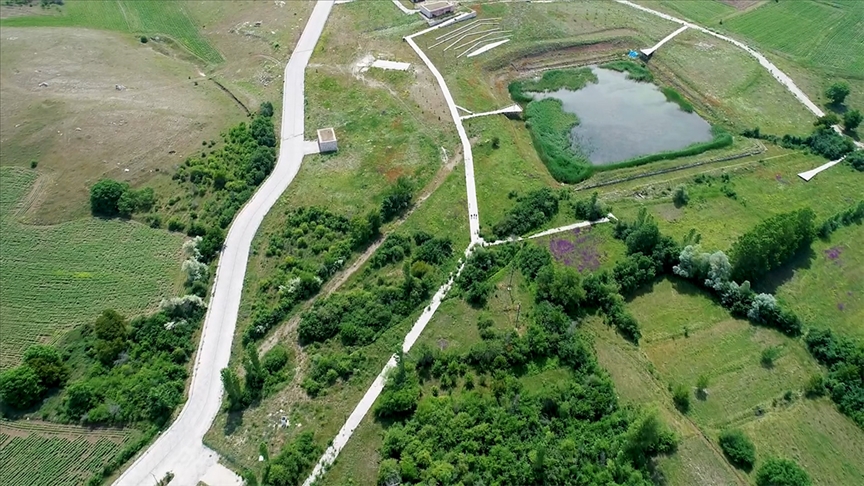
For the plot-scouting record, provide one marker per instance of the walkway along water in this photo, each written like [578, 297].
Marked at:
[179, 449]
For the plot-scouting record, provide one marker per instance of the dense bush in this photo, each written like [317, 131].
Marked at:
[771, 244]
[844, 359]
[394, 249]
[20, 387]
[633, 272]
[590, 209]
[531, 258]
[781, 472]
[738, 449]
[397, 199]
[853, 215]
[293, 463]
[473, 281]
[327, 369]
[681, 398]
[530, 212]
[433, 251]
[109, 198]
[680, 196]
[561, 286]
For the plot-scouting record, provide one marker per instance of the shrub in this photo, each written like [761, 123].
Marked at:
[275, 359]
[46, 362]
[143, 39]
[531, 258]
[852, 119]
[815, 386]
[769, 355]
[681, 398]
[781, 472]
[397, 199]
[176, 225]
[680, 196]
[738, 449]
[633, 272]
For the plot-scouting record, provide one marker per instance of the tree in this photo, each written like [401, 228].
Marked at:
[738, 449]
[19, 387]
[680, 196]
[254, 372]
[837, 92]
[561, 286]
[852, 119]
[781, 472]
[531, 258]
[46, 362]
[105, 196]
[232, 389]
[266, 109]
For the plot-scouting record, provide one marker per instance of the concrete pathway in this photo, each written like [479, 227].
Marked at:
[553, 231]
[812, 173]
[179, 449]
[509, 109]
[652, 50]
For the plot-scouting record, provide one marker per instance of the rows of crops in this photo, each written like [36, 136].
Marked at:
[58, 455]
[53, 278]
[149, 17]
[826, 35]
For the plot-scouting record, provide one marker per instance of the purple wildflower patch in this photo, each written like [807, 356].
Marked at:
[833, 253]
[579, 249]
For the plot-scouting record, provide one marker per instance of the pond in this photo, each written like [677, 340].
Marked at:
[620, 119]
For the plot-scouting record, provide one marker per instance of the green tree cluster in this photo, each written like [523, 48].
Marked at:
[110, 198]
[781, 472]
[42, 370]
[771, 243]
[530, 212]
[397, 199]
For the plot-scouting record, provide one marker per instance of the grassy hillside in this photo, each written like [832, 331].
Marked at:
[146, 17]
[53, 278]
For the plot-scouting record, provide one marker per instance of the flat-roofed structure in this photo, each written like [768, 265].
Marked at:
[327, 140]
[430, 10]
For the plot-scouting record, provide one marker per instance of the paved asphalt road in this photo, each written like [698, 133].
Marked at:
[179, 449]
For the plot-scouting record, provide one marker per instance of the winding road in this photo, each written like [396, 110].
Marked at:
[179, 449]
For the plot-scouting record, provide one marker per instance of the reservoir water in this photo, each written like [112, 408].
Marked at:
[620, 119]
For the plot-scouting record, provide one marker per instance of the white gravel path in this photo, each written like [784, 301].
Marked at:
[179, 448]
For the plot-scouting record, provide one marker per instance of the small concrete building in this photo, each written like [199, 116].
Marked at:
[327, 140]
[436, 9]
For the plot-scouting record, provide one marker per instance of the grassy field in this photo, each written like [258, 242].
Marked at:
[148, 17]
[762, 188]
[80, 128]
[822, 35]
[57, 277]
[829, 290]
[741, 393]
[43, 453]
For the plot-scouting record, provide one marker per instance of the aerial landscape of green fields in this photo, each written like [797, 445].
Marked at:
[392, 242]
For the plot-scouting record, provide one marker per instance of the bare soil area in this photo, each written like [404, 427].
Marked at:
[87, 104]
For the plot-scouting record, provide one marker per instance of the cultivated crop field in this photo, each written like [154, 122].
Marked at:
[149, 17]
[56, 277]
[42, 453]
[822, 35]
